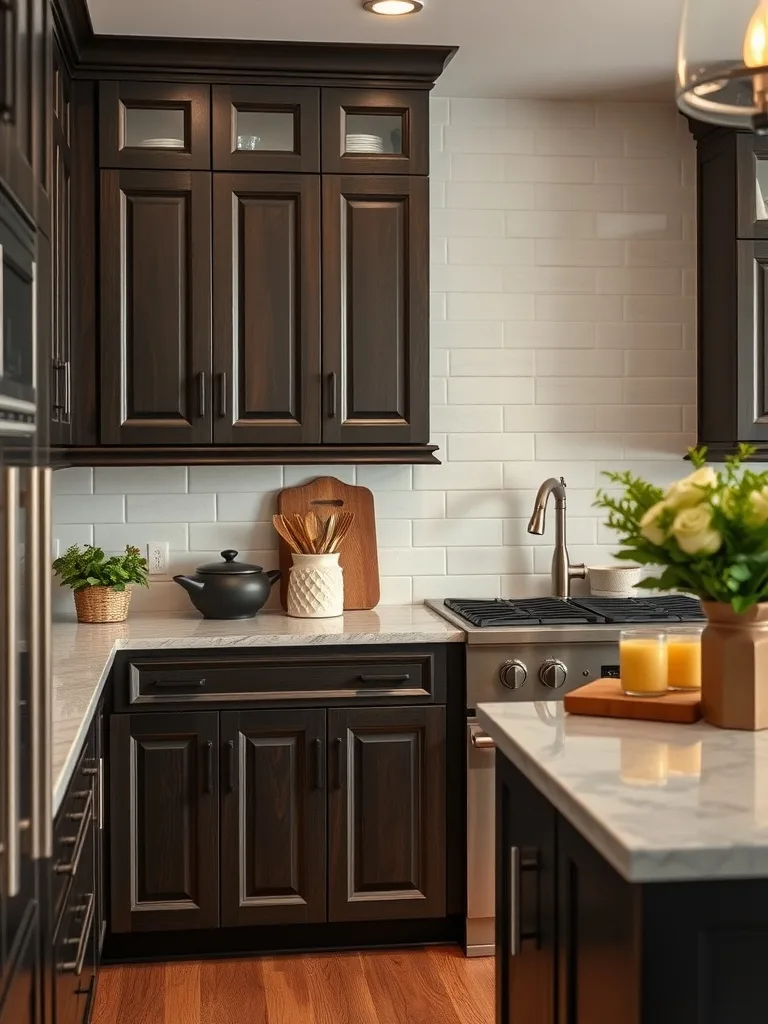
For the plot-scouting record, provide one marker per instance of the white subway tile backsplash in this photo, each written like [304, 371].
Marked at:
[93, 508]
[486, 362]
[562, 310]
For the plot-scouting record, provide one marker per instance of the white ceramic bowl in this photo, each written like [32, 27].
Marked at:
[614, 580]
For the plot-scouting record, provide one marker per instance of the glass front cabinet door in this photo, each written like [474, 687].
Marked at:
[265, 128]
[145, 125]
[375, 132]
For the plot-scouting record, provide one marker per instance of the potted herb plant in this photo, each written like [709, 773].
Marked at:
[709, 532]
[101, 584]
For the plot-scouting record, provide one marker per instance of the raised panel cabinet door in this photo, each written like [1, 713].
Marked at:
[375, 310]
[273, 812]
[386, 813]
[164, 821]
[266, 284]
[525, 900]
[752, 313]
[155, 257]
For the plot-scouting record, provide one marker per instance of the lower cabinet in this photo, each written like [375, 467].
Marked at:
[164, 801]
[272, 817]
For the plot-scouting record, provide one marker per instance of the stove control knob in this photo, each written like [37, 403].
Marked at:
[513, 674]
[553, 673]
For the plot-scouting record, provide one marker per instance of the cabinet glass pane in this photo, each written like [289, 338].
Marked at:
[271, 130]
[374, 133]
[153, 128]
[761, 189]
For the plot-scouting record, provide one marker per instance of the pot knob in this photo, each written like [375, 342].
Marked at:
[553, 673]
[513, 674]
[229, 555]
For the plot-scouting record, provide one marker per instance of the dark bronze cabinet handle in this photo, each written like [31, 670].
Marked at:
[230, 766]
[319, 766]
[209, 766]
[178, 684]
[8, 28]
[341, 767]
[404, 678]
[332, 396]
[76, 966]
[222, 395]
[201, 395]
[78, 841]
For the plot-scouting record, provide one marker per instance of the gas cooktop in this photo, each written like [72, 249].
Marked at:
[582, 611]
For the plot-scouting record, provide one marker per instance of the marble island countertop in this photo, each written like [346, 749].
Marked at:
[83, 654]
[660, 802]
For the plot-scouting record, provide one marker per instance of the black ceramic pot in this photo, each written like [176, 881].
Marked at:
[229, 589]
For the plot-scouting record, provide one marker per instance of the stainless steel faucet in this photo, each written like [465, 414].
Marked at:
[562, 570]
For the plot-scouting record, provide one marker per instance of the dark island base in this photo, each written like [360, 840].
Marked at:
[266, 939]
[594, 949]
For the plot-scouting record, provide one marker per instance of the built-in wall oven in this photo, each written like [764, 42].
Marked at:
[18, 312]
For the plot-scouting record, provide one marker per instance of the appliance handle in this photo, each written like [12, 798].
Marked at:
[42, 831]
[10, 688]
[2, 311]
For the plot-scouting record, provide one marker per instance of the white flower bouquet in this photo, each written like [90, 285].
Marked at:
[709, 530]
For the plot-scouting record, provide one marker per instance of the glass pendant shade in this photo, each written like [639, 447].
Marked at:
[722, 63]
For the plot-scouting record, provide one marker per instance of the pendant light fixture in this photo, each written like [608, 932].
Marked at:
[393, 8]
[722, 63]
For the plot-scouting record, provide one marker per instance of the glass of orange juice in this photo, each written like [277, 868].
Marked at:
[684, 657]
[643, 662]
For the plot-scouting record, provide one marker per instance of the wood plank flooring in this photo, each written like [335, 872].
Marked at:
[426, 986]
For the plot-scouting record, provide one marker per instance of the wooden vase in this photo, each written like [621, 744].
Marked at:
[734, 667]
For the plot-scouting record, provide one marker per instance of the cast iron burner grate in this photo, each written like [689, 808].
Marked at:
[553, 611]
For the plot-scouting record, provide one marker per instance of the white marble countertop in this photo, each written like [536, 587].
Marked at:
[660, 802]
[83, 654]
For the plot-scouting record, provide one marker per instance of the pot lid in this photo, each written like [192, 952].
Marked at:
[229, 566]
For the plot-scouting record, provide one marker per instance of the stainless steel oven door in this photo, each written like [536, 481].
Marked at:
[481, 841]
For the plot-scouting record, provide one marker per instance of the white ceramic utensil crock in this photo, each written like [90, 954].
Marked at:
[315, 587]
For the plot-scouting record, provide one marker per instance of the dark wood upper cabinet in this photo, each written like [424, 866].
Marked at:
[273, 817]
[155, 307]
[377, 131]
[60, 391]
[155, 124]
[386, 813]
[164, 849]
[375, 309]
[266, 282]
[266, 128]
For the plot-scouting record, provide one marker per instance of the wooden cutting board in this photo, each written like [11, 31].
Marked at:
[604, 699]
[359, 554]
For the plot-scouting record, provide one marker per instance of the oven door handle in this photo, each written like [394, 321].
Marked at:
[480, 740]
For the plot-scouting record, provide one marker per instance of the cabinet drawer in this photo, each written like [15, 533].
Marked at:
[74, 943]
[74, 823]
[416, 676]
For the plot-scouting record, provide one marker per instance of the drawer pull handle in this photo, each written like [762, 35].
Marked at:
[482, 741]
[396, 678]
[77, 841]
[89, 771]
[178, 684]
[76, 966]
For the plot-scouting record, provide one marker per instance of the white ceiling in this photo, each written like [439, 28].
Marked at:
[507, 47]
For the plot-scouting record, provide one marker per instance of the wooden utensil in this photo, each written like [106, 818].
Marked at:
[358, 554]
[603, 698]
[285, 530]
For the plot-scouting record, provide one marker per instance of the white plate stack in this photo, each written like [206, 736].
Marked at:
[365, 144]
[162, 144]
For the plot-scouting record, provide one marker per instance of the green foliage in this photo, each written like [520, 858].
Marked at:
[734, 501]
[90, 567]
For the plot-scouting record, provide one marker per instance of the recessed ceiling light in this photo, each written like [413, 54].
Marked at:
[393, 8]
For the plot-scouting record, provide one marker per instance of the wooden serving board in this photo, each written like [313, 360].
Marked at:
[604, 699]
[359, 554]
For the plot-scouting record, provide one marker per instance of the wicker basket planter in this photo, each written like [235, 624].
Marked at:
[102, 604]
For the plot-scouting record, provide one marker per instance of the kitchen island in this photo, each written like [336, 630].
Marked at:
[632, 870]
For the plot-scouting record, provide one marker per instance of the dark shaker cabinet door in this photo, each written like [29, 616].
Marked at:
[273, 817]
[752, 401]
[266, 308]
[375, 310]
[155, 307]
[164, 840]
[525, 900]
[386, 814]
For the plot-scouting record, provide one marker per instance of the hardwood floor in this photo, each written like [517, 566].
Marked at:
[427, 986]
